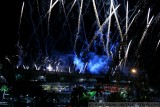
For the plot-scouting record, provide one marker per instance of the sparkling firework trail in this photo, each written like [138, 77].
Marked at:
[157, 44]
[20, 20]
[85, 66]
[149, 10]
[126, 18]
[132, 21]
[127, 50]
[81, 70]
[108, 34]
[71, 8]
[118, 24]
[79, 22]
[96, 13]
[8, 59]
[147, 26]
[52, 6]
[49, 14]
[98, 21]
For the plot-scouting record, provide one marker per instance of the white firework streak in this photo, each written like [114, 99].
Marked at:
[107, 19]
[81, 70]
[51, 7]
[49, 14]
[149, 10]
[157, 44]
[132, 21]
[53, 4]
[118, 24]
[127, 18]
[64, 10]
[85, 66]
[8, 59]
[102, 26]
[79, 22]
[120, 63]
[21, 13]
[126, 53]
[21, 18]
[24, 67]
[55, 62]
[119, 28]
[147, 26]
[71, 8]
[45, 59]
[108, 34]
[79, 17]
[96, 14]
[120, 49]
[35, 66]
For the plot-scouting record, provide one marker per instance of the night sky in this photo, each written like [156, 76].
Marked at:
[62, 39]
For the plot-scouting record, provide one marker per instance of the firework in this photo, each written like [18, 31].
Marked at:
[94, 36]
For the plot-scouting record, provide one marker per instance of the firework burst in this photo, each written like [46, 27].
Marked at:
[92, 36]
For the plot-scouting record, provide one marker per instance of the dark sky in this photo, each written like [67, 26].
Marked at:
[10, 13]
[9, 20]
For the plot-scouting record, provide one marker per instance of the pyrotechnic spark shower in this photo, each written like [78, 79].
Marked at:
[89, 36]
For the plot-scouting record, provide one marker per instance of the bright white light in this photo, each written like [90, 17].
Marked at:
[49, 68]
